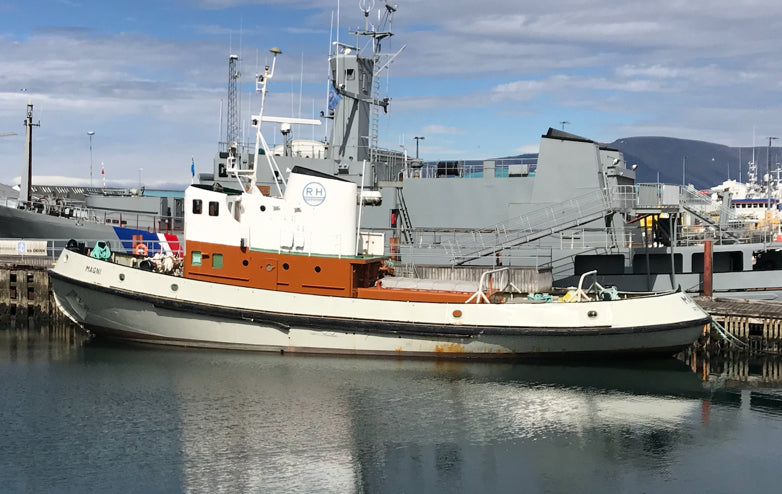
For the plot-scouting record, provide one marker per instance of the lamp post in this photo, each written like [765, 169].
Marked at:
[564, 122]
[768, 172]
[91, 133]
[416, 145]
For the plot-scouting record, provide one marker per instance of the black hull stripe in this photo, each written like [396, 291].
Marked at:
[284, 322]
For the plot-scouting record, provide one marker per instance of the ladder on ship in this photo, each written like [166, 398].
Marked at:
[701, 207]
[407, 225]
[374, 122]
[537, 224]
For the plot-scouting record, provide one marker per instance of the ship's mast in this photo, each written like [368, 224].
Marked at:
[355, 79]
[261, 146]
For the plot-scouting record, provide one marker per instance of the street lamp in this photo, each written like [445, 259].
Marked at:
[564, 122]
[91, 133]
[768, 171]
[416, 145]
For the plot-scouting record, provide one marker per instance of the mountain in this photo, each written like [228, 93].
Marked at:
[704, 164]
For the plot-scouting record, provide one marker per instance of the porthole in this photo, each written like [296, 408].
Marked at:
[269, 267]
[245, 263]
[317, 269]
[263, 208]
[122, 276]
[285, 266]
[592, 313]
[174, 287]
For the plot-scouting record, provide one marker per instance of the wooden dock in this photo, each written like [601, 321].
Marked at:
[757, 323]
[24, 291]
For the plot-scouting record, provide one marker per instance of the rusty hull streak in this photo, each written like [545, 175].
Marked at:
[449, 348]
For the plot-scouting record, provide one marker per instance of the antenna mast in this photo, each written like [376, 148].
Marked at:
[377, 34]
[232, 125]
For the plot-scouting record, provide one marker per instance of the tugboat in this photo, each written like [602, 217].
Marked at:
[289, 270]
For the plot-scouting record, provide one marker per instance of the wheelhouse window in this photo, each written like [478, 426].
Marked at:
[197, 206]
[214, 208]
[195, 258]
[217, 261]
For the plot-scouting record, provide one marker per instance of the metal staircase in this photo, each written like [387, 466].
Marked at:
[407, 225]
[537, 224]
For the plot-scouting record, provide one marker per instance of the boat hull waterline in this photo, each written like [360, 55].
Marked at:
[120, 302]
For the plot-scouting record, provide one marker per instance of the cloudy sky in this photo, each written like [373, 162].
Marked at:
[476, 79]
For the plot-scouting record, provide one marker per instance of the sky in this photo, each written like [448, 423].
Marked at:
[475, 79]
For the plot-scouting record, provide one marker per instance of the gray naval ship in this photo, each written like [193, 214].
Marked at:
[573, 209]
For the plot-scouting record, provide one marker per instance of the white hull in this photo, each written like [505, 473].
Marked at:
[118, 301]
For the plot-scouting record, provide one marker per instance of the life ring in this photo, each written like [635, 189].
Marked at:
[141, 249]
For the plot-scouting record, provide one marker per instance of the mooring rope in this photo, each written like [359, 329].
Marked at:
[732, 340]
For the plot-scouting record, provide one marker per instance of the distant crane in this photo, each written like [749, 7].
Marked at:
[5, 134]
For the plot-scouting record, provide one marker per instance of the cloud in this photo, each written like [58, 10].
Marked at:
[153, 93]
[528, 149]
[441, 129]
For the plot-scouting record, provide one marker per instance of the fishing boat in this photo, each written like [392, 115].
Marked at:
[290, 270]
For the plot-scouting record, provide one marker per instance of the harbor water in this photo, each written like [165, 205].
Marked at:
[82, 416]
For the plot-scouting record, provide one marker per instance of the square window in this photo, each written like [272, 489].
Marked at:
[197, 205]
[195, 258]
[217, 261]
[214, 208]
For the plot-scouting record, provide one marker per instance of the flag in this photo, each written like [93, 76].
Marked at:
[192, 167]
[334, 98]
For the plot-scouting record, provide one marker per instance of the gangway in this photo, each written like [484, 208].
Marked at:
[581, 210]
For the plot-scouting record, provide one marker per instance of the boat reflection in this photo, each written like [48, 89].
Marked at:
[250, 422]
[359, 424]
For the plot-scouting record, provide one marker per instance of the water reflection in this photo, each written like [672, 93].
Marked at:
[39, 339]
[135, 418]
[375, 424]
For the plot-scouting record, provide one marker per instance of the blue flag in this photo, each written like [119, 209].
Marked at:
[334, 98]
[192, 167]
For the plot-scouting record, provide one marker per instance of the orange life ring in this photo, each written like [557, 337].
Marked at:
[141, 249]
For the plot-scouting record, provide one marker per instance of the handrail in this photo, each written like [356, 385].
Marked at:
[484, 285]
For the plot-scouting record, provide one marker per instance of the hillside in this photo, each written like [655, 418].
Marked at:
[706, 164]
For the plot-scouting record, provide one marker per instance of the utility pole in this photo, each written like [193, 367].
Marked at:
[26, 187]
